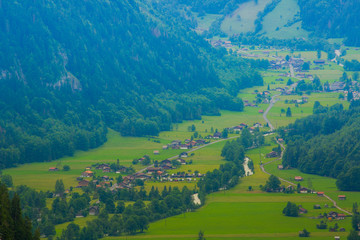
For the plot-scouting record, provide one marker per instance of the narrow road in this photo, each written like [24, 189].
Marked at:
[272, 102]
[292, 72]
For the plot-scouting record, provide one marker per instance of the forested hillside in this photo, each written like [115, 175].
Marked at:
[70, 69]
[327, 144]
[332, 18]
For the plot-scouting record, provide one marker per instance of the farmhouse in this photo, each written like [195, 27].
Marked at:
[184, 146]
[53, 169]
[303, 190]
[342, 197]
[182, 161]
[153, 169]
[302, 210]
[217, 135]
[298, 178]
[183, 155]
[320, 194]
[83, 183]
[166, 161]
[341, 216]
[261, 111]
[102, 166]
[87, 174]
[156, 152]
[272, 154]
[280, 167]
[336, 86]
[93, 210]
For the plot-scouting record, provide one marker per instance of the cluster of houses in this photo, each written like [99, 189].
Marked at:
[187, 144]
[221, 43]
[242, 126]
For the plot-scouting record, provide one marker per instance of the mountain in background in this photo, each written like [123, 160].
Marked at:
[71, 69]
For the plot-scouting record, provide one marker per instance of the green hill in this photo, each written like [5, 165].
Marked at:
[71, 69]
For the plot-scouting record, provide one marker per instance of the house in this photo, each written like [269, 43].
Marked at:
[217, 135]
[238, 128]
[200, 142]
[184, 146]
[102, 166]
[105, 178]
[342, 197]
[156, 152]
[87, 174]
[153, 169]
[319, 62]
[183, 155]
[317, 206]
[333, 214]
[336, 86]
[142, 176]
[165, 147]
[261, 111]
[280, 167]
[83, 183]
[302, 210]
[303, 190]
[298, 178]
[337, 237]
[341, 216]
[53, 169]
[320, 194]
[106, 169]
[166, 161]
[94, 210]
[166, 166]
[182, 161]
[272, 154]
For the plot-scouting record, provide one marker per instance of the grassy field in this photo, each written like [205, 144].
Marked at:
[240, 214]
[36, 175]
[274, 23]
[242, 20]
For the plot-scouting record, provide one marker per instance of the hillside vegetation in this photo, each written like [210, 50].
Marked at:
[333, 18]
[70, 69]
[327, 144]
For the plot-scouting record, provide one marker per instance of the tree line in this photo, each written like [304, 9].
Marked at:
[326, 143]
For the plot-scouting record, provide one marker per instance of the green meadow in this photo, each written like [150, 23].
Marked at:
[242, 214]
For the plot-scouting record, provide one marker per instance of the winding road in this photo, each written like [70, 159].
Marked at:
[272, 102]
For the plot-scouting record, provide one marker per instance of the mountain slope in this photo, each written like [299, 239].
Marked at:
[71, 69]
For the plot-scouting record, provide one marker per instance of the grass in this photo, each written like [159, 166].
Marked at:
[274, 22]
[238, 213]
[245, 23]
[36, 175]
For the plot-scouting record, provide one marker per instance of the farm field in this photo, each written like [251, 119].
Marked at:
[238, 213]
[36, 175]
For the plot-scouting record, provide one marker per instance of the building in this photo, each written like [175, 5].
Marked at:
[342, 197]
[53, 169]
[93, 210]
[280, 167]
[183, 155]
[298, 178]
[303, 190]
[156, 152]
[320, 194]
[319, 62]
[83, 183]
[87, 174]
